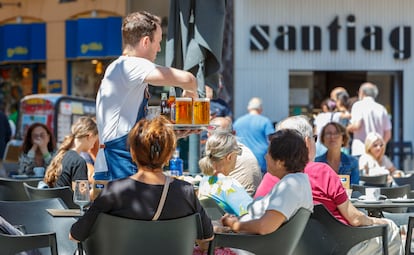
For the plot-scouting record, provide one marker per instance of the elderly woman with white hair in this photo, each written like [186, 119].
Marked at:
[220, 158]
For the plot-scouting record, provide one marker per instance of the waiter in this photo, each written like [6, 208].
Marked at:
[123, 94]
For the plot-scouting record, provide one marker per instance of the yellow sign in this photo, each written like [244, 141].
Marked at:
[19, 50]
[93, 46]
[77, 108]
[35, 101]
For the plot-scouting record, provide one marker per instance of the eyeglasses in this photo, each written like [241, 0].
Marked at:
[315, 138]
[41, 135]
[333, 135]
[239, 151]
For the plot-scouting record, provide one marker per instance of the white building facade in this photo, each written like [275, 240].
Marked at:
[292, 53]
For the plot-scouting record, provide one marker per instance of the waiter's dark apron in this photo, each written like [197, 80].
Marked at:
[117, 154]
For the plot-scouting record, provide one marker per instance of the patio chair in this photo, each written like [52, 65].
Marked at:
[375, 180]
[389, 192]
[396, 192]
[12, 244]
[405, 180]
[64, 193]
[324, 234]
[122, 236]
[409, 235]
[13, 190]
[32, 215]
[11, 156]
[281, 241]
[213, 210]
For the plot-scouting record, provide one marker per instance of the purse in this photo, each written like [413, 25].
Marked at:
[163, 197]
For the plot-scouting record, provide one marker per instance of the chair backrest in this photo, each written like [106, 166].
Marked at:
[11, 156]
[115, 235]
[409, 235]
[324, 234]
[13, 189]
[35, 219]
[375, 180]
[405, 180]
[281, 241]
[396, 192]
[213, 210]
[12, 244]
[64, 193]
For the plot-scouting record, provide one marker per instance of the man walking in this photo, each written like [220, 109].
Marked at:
[253, 129]
[368, 116]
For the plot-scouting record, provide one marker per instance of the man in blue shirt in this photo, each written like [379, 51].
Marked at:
[253, 129]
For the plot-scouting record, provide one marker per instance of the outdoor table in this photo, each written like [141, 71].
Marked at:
[375, 208]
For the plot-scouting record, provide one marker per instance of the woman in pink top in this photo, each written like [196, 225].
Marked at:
[327, 189]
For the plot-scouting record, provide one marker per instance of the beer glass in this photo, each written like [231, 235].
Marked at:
[184, 110]
[201, 111]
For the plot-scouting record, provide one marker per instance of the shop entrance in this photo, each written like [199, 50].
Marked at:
[309, 88]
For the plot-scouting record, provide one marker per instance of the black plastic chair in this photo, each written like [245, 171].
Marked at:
[11, 156]
[281, 241]
[389, 192]
[400, 181]
[375, 180]
[396, 192]
[35, 219]
[13, 190]
[409, 235]
[121, 236]
[12, 244]
[324, 234]
[64, 193]
[213, 210]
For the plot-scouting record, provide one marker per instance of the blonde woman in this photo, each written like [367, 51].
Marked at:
[68, 166]
[220, 158]
[374, 161]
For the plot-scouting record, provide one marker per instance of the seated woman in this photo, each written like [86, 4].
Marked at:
[67, 166]
[152, 144]
[221, 152]
[334, 136]
[286, 158]
[374, 161]
[327, 189]
[90, 157]
[37, 150]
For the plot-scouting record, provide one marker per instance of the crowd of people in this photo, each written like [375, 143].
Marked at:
[258, 176]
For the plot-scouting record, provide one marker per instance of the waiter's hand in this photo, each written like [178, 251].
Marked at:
[188, 93]
[185, 133]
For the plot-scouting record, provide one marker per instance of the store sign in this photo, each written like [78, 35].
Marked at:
[18, 50]
[23, 42]
[93, 46]
[93, 37]
[399, 37]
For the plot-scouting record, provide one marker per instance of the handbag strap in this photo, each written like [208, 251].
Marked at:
[163, 197]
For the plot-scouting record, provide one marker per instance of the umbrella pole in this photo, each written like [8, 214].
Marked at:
[194, 153]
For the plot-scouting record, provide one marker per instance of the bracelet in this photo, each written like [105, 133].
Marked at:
[46, 155]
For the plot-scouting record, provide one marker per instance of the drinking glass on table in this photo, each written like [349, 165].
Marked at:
[81, 194]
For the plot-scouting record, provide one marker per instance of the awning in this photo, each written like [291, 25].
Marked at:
[23, 42]
[93, 37]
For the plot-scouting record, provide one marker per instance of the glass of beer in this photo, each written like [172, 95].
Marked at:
[184, 110]
[201, 111]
